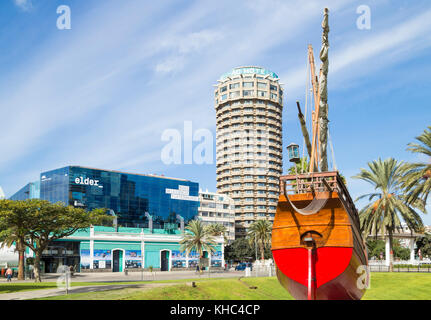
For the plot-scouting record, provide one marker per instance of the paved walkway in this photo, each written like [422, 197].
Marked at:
[146, 277]
[44, 293]
[134, 276]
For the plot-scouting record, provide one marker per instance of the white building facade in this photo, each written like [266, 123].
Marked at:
[219, 209]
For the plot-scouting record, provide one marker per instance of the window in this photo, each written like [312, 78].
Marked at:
[272, 87]
[234, 94]
[234, 85]
[248, 93]
[223, 89]
[261, 85]
[248, 84]
[273, 96]
[261, 93]
[223, 97]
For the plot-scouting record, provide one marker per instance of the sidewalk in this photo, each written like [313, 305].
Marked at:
[111, 277]
[132, 276]
[44, 293]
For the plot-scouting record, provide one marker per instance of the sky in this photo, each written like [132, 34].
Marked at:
[102, 93]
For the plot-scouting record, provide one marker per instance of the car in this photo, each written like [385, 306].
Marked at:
[240, 267]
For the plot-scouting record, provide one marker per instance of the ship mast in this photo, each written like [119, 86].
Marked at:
[318, 155]
[323, 93]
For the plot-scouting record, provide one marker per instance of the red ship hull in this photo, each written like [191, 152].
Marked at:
[336, 273]
[319, 252]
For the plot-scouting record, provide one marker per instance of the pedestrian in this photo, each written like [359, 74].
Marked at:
[9, 273]
[71, 269]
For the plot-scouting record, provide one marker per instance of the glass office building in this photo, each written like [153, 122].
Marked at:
[133, 198]
[136, 200]
[29, 191]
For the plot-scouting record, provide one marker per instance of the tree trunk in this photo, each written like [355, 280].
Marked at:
[37, 267]
[21, 250]
[21, 265]
[391, 251]
[262, 251]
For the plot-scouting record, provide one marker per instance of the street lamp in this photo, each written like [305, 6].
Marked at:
[293, 152]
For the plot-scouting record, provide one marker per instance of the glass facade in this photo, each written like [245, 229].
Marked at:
[29, 191]
[130, 196]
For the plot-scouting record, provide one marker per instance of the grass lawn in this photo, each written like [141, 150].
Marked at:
[207, 289]
[384, 286]
[399, 286]
[27, 286]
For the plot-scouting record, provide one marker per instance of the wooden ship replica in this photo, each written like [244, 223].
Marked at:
[316, 240]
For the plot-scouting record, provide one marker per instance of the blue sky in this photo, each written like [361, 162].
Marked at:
[102, 93]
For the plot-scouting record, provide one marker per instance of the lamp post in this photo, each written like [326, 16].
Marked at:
[293, 155]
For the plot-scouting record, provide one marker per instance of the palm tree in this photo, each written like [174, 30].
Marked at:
[260, 233]
[386, 212]
[197, 238]
[8, 241]
[302, 166]
[218, 229]
[417, 177]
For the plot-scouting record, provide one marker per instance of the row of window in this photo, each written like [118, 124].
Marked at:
[218, 214]
[214, 205]
[248, 207]
[250, 184]
[236, 192]
[260, 199]
[248, 84]
[248, 161]
[251, 140]
[248, 93]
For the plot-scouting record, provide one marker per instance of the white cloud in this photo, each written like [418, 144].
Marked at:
[184, 46]
[24, 4]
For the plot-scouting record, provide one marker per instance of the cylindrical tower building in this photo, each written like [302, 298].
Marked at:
[249, 104]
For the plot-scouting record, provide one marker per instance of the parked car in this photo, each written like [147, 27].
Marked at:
[241, 266]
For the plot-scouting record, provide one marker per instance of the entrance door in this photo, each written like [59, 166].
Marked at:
[164, 260]
[117, 261]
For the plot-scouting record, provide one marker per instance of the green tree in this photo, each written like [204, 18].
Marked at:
[417, 176]
[218, 229]
[424, 244]
[259, 232]
[13, 229]
[377, 246]
[44, 223]
[385, 214]
[239, 250]
[197, 238]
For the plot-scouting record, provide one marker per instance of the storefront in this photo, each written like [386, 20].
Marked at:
[102, 249]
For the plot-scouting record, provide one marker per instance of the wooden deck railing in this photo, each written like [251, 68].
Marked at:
[321, 182]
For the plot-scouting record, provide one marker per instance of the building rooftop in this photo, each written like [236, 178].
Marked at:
[249, 70]
[133, 173]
